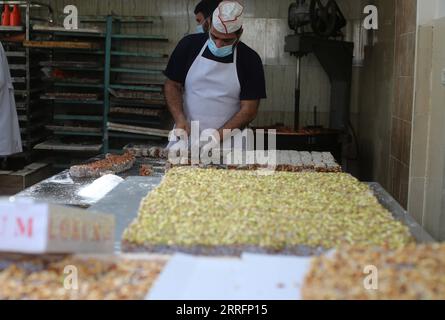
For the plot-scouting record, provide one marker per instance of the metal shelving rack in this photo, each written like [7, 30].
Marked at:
[75, 84]
[118, 103]
[127, 104]
[31, 113]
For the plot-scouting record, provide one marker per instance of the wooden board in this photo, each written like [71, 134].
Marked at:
[150, 103]
[13, 182]
[72, 128]
[70, 64]
[138, 130]
[11, 28]
[60, 44]
[13, 38]
[136, 111]
[62, 29]
[54, 145]
[70, 96]
[126, 94]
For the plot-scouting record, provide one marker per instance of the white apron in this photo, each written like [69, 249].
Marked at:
[10, 140]
[211, 92]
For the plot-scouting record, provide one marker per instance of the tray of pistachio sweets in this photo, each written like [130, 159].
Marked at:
[283, 160]
[227, 212]
[415, 272]
[128, 277]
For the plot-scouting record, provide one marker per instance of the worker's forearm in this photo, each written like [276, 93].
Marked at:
[174, 99]
[243, 118]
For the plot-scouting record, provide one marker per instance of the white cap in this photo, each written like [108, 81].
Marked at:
[228, 17]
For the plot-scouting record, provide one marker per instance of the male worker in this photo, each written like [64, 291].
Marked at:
[10, 140]
[214, 78]
[203, 14]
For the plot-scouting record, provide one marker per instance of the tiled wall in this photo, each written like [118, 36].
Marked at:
[427, 180]
[376, 98]
[421, 121]
[386, 98]
[401, 116]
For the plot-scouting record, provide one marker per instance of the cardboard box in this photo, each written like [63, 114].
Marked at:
[37, 228]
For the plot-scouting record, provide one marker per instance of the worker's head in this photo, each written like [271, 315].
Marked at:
[227, 28]
[203, 14]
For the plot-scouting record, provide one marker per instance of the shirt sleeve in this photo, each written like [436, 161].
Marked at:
[252, 78]
[177, 65]
[2, 65]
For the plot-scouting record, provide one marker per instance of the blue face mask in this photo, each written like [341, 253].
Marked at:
[200, 29]
[219, 52]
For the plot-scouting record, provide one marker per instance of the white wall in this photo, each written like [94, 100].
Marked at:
[429, 10]
[440, 8]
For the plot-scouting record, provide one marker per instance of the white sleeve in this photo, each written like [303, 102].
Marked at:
[2, 66]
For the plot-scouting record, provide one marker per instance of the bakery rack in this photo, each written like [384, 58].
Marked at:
[116, 96]
[133, 97]
[74, 75]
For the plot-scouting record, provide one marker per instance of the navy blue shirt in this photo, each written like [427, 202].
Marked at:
[249, 65]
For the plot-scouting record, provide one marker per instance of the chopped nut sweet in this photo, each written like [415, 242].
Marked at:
[211, 208]
[146, 170]
[288, 161]
[111, 164]
[96, 279]
[409, 273]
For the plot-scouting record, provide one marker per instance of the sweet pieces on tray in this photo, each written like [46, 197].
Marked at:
[358, 273]
[279, 212]
[97, 279]
[111, 164]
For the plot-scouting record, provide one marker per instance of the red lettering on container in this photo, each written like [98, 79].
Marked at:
[23, 229]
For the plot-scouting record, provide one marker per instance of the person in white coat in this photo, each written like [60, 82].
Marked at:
[215, 78]
[10, 140]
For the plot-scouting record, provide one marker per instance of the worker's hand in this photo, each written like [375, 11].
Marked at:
[184, 125]
[212, 144]
[179, 141]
